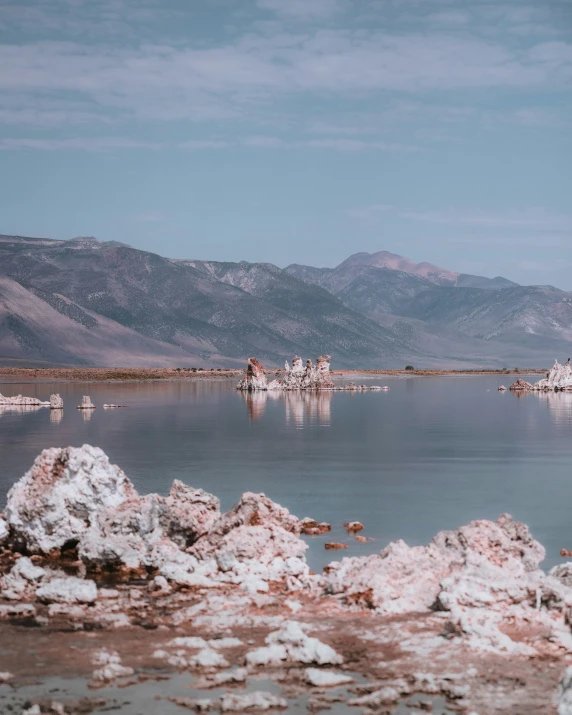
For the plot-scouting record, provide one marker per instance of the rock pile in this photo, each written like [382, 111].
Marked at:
[558, 378]
[21, 401]
[297, 377]
[78, 542]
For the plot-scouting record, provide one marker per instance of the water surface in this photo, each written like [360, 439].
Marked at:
[431, 454]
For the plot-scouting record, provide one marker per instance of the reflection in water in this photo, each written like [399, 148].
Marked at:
[19, 408]
[300, 406]
[86, 414]
[56, 416]
[560, 404]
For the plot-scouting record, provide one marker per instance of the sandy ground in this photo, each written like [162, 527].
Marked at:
[119, 374]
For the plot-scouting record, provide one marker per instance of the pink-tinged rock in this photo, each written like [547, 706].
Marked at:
[17, 610]
[65, 490]
[404, 579]
[86, 403]
[151, 530]
[254, 379]
[69, 590]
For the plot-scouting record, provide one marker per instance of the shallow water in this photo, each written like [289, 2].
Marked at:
[431, 454]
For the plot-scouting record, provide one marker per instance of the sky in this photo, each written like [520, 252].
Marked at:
[294, 131]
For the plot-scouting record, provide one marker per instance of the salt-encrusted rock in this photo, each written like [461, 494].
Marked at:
[21, 401]
[86, 403]
[54, 503]
[209, 658]
[56, 402]
[4, 531]
[565, 692]
[255, 379]
[383, 696]
[292, 644]
[559, 378]
[326, 678]
[353, 526]
[67, 590]
[403, 579]
[256, 701]
[111, 667]
[520, 385]
[22, 580]
[502, 388]
[255, 542]
[310, 527]
[17, 610]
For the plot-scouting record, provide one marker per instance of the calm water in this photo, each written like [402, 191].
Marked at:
[431, 454]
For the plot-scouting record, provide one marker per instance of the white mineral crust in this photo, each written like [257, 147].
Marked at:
[258, 701]
[68, 590]
[565, 692]
[292, 644]
[560, 376]
[20, 400]
[56, 402]
[4, 530]
[326, 678]
[62, 494]
[86, 403]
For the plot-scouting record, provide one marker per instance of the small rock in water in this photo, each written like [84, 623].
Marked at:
[352, 526]
[251, 702]
[361, 539]
[86, 403]
[310, 527]
[56, 402]
[334, 545]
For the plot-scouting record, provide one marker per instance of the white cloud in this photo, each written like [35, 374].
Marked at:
[305, 9]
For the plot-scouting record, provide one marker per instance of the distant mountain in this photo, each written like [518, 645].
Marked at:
[189, 313]
[105, 303]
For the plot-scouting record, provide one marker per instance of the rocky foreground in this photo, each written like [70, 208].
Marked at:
[103, 584]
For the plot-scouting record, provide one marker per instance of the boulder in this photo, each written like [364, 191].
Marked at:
[86, 403]
[54, 504]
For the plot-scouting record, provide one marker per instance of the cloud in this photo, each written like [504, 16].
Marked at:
[91, 144]
[305, 9]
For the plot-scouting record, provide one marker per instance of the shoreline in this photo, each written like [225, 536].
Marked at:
[119, 375]
[212, 605]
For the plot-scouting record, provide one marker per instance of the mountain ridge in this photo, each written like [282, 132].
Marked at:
[107, 303]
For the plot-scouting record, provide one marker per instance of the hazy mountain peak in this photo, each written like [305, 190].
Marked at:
[385, 259]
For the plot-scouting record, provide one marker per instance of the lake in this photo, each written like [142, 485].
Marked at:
[430, 454]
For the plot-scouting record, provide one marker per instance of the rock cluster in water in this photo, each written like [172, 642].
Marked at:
[297, 377]
[22, 401]
[558, 378]
[75, 525]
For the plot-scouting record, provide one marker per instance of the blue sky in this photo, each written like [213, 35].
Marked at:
[294, 130]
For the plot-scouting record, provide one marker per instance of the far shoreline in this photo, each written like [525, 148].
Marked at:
[9, 375]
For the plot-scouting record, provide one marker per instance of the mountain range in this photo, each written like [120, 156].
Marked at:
[89, 302]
